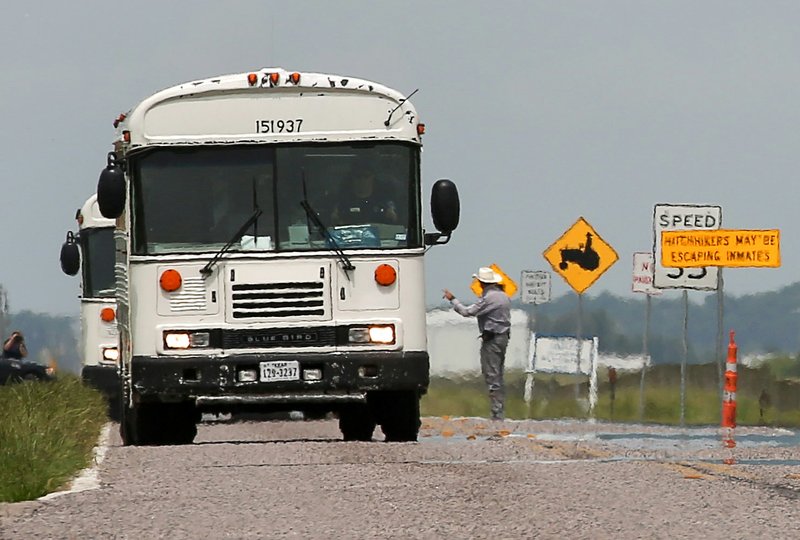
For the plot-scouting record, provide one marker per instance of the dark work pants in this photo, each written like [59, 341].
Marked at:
[493, 359]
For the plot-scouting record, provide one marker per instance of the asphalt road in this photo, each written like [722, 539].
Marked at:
[464, 479]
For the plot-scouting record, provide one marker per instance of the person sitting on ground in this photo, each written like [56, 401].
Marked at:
[14, 346]
[364, 202]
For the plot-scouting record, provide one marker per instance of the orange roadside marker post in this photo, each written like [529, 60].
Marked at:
[729, 400]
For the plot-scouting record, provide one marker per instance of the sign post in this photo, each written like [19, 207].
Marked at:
[717, 248]
[683, 217]
[721, 248]
[580, 256]
[536, 286]
[643, 283]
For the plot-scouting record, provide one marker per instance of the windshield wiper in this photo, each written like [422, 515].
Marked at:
[206, 270]
[312, 215]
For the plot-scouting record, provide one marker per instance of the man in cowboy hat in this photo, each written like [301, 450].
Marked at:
[493, 311]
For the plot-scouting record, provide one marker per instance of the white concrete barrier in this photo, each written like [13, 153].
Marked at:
[454, 344]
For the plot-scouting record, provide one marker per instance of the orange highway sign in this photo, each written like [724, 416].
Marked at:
[721, 247]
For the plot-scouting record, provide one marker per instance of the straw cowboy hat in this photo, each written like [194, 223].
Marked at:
[487, 275]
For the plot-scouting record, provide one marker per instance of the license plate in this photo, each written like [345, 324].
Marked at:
[280, 371]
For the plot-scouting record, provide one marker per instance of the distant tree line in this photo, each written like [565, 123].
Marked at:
[765, 323]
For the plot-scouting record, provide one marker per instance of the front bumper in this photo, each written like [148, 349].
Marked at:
[213, 381]
[103, 378]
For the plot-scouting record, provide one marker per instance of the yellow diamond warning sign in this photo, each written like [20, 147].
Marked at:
[508, 284]
[580, 256]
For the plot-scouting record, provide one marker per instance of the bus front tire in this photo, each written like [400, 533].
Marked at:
[399, 415]
[150, 424]
[356, 423]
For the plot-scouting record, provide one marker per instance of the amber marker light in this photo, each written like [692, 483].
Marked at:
[170, 280]
[252, 79]
[107, 314]
[294, 77]
[385, 275]
[126, 136]
[274, 78]
[420, 129]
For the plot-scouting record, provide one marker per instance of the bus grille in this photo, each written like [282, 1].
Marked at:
[279, 337]
[278, 300]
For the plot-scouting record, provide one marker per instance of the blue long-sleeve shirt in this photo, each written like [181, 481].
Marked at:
[493, 310]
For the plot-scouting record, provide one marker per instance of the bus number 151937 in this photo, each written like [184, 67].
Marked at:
[278, 126]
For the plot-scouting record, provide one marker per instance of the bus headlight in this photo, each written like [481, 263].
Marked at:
[379, 333]
[110, 354]
[186, 340]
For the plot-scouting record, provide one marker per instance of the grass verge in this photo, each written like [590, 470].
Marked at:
[762, 399]
[47, 433]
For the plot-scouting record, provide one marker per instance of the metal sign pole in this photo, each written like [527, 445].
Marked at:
[720, 336]
[685, 354]
[643, 268]
[531, 375]
[578, 348]
[535, 291]
[645, 336]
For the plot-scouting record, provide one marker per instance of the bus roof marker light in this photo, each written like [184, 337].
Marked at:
[107, 314]
[385, 275]
[420, 129]
[126, 136]
[170, 280]
[295, 78]
[252, 79]
[274, 77]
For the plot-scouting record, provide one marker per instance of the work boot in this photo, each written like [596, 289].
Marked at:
[497, 407]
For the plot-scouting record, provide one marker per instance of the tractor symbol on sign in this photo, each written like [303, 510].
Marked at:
[584, 256]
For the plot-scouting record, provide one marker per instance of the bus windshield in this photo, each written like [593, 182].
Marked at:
[195, 199]
[97, 249]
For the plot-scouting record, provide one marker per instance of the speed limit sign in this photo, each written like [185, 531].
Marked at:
[683, 217]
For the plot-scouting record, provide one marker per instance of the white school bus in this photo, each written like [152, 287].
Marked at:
[91, 252]
[270, 253]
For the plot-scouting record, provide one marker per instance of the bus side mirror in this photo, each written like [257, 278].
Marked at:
[70, 256]
[445, 211]
[111, 189]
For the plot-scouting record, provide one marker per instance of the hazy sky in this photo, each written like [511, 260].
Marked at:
[541, 112]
